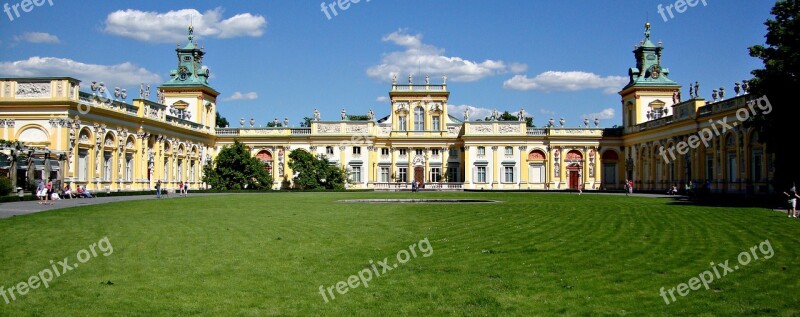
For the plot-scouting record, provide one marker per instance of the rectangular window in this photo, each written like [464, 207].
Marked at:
[384, 174]
[452, 172]
[709, 166]
[128, 167]
[107, 166]
[756, 169]
[402, 152]
[509, 174]
[435, 152]
[481, 174]
[732, 167]
[537, 174]
[83, 164]
[509, 151]
[436, 123]
[436, 174]
[329, 150]
[355, 175]
[385, 152]
[609, 174]
[180, 170]
[191, 171]
[356, 150]
[401, 122]
[453, 152]
[166, 170]
[419, 151]
[402, 174]
[481, 150]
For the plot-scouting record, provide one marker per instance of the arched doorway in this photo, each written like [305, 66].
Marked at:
[419, 170]
[574, 167]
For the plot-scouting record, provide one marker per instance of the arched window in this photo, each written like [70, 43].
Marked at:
[419, 119]
[266, 158]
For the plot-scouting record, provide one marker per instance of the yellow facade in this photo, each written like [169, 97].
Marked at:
[98, 140]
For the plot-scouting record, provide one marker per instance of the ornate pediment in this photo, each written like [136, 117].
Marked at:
[180, 105]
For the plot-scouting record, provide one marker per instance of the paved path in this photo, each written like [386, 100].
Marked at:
[28, 207]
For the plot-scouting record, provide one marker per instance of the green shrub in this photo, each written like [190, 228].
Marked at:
[5, 186]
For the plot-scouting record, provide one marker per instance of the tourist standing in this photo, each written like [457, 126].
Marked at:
[180, 188]
[48, 199]
[158, 189]
[40, 192]
[791, 204]
[630, 187]
[185, 189]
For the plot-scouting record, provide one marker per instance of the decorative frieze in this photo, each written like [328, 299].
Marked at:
[509, 129]
[33, 90]
[7, 123]
[329, 128]
[478, 128]
[360, 128]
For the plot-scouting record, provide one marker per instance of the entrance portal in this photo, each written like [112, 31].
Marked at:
[419, 175]
[574, 174]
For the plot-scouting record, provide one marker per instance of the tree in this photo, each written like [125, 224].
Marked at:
[221, 121]
[777, 81]
[506, 116]
[358, 117]
[315, 173]
[274, 125]
[235, 168]
[306, 122]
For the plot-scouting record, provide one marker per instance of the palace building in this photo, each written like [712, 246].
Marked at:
[96, 139]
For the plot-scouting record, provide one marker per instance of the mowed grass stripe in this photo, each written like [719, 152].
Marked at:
[530, 255]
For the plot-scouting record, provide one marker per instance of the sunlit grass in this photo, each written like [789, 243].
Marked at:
[530, 255]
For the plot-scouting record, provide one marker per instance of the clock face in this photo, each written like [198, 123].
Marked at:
[651, 57]
[183, 72]
[187, 58]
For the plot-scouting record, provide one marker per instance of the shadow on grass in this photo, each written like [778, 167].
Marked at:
[722, 200]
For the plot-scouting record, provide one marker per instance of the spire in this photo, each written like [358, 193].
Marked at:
[190, 70]
[649, 71]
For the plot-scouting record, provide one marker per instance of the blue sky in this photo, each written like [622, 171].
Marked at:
[284, 58]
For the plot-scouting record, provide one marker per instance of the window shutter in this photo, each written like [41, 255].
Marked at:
[474, 174]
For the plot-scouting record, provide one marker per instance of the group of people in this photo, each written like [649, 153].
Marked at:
[628, 187]
[48, 193]
[45, 193]
[183, 189]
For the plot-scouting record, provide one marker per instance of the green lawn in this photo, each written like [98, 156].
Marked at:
[533, 254]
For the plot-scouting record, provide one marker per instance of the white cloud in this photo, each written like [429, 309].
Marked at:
[242, 96]
[37, 37]
[475, 113]
[518, 68]
[566, 81]
[382, 99]
[547, 112]
[125, 74]
[171, 27]
[429, 59]
[605, 114]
